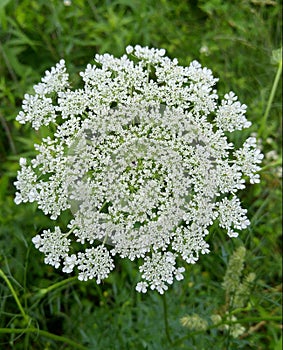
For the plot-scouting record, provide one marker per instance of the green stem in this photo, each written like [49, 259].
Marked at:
[25, 316]
[27, 336]
[8, 134]
[67, 234]
[9, 66]
[43, 334]
[272, 165]
[54, 286]
[165, 314]
[103, 206]
[105, 239]
[270, 99]
[25, 280]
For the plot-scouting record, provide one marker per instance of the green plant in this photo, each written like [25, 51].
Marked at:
[236, 39]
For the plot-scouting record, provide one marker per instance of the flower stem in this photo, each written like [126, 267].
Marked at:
[165, 315]
[57, 285]
[22, 311]
[263, 128]
[43, 334]
[67, 234]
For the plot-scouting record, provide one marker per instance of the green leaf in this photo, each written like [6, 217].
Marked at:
[3, 18]
[12, 60]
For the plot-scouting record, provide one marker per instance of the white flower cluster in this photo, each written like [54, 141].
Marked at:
[140, 157]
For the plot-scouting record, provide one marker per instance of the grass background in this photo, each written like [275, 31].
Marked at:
[237, 40]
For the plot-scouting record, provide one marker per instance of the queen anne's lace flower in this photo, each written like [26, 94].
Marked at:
[141, 158]
[55, 246]
[94, 263]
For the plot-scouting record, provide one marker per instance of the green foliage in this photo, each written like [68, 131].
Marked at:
[238, 40]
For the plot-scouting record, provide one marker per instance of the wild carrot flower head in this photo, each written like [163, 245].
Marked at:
[141, 157]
